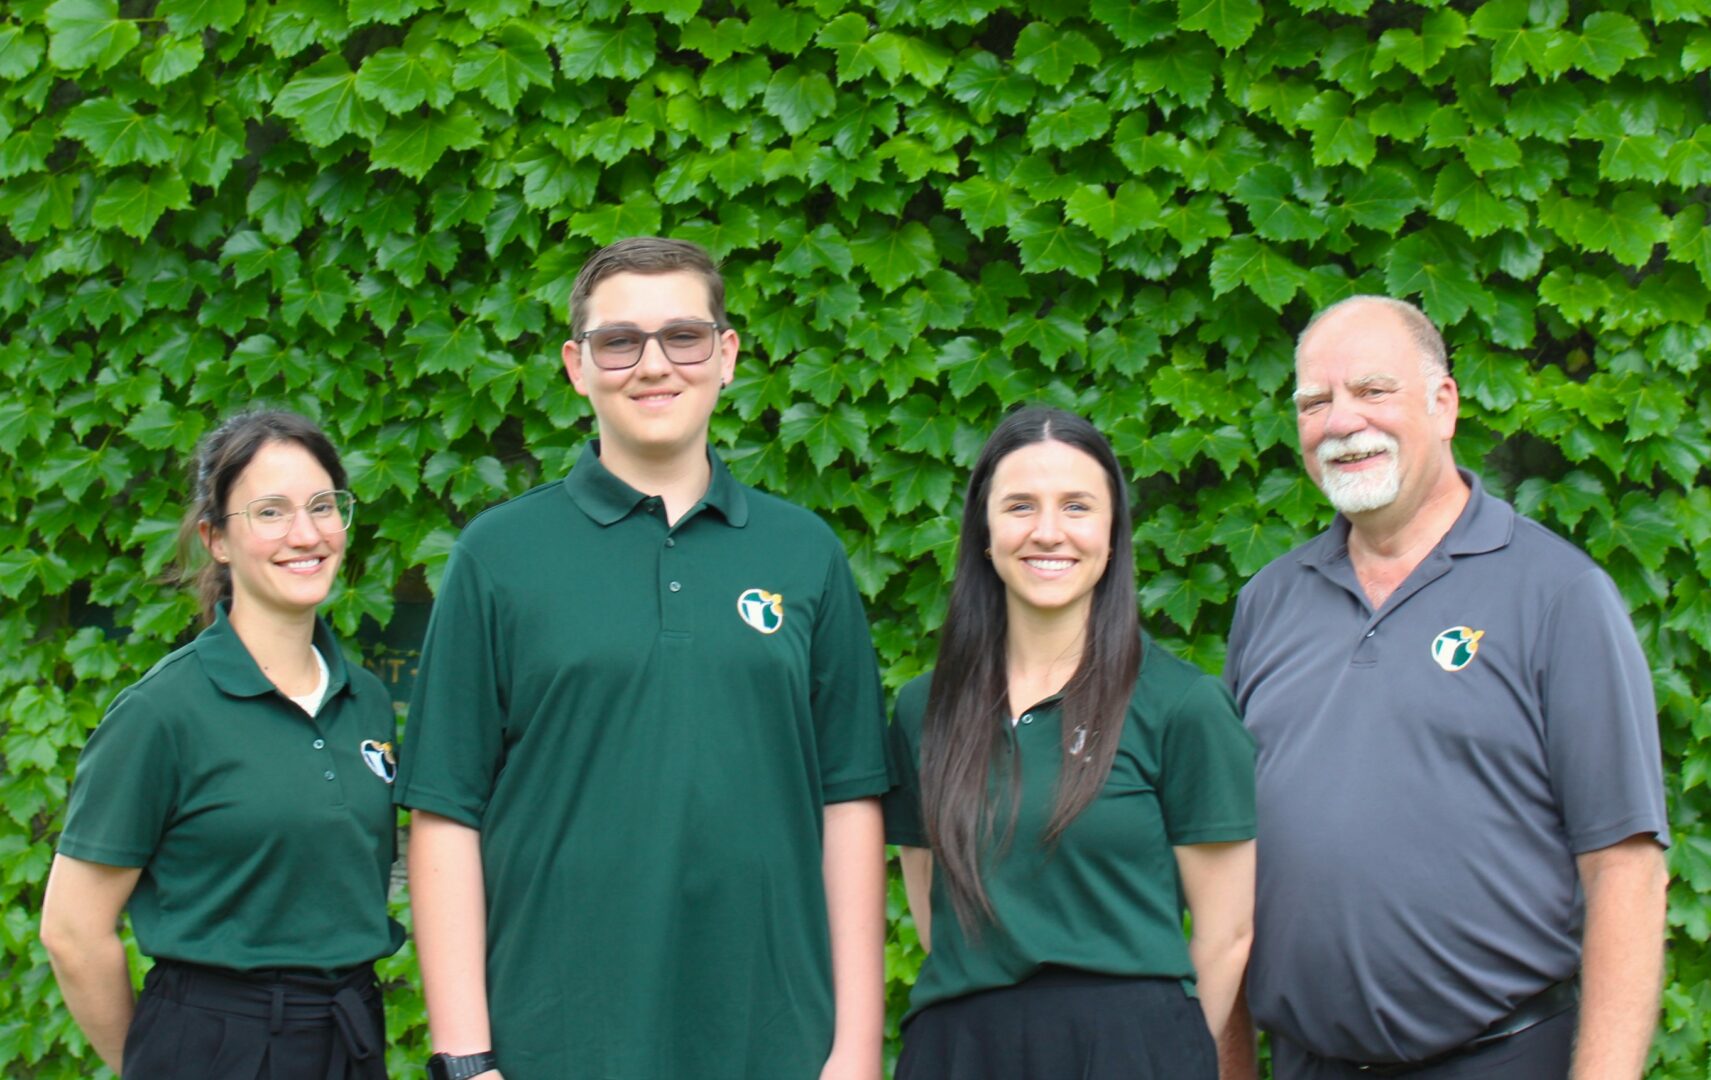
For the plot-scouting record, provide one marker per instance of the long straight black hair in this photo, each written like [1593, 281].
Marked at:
[968, 705]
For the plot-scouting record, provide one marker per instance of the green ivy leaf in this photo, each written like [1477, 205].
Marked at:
[324, 100]
[1228, 22]
[1252, 541]
[1463, 198]
[1608, 40]
[983, 203]
[893, 255]
[412, 144]
[1439, 33]
[323, 296]
[1113, 218]
[84, 33]
[1517, 46]
[799, 96]
[858, 52]
[1381, 198]
[133, 205]
[612, 221]
[401, 79]
[586, 51]
[718, 42]
[1339, 136]
[171, 59]
[822, 249]
[20, 51]
[825, 433]
[193, 16]
[1050, 55]
[1049, 243]
[1184, 67]
[1182, 596]
[989, 87]
[1245, 260]
[118, 135]
[1440, 273]
[1077, 123]
[502, 71]
[1268, 194]
[1639, 527]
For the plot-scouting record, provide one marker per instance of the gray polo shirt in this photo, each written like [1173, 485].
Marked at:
[1427, 774]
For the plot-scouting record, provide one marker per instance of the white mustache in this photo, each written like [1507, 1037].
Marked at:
[1361, 442]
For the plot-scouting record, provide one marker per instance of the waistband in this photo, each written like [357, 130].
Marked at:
[284, 997]
[1552, 1001]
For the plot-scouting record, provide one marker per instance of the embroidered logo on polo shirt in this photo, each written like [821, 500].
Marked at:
[761, 609]
[1456, 647]
[379, 758]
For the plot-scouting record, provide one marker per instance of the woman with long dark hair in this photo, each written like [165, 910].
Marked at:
[237, 799]
[1066, 784]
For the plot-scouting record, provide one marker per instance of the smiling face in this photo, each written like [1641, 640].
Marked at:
[291, 575]
[1049, 512]
[1375, 427]
[655, 411]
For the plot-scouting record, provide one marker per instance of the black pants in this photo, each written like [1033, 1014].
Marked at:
[200, 1023]
[1063, 1024]
[1541, 1052]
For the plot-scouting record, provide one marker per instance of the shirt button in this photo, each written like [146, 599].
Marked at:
[319, 744]
[1369, 633]
[676, 586]
[328, 774]
[669, 542]
[1027, 718]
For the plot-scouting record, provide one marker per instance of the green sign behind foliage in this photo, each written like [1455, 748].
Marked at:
[371, 211]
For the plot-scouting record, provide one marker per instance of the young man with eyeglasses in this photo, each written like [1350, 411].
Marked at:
[646, 743]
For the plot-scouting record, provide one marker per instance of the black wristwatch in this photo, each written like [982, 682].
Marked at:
[461, 1066]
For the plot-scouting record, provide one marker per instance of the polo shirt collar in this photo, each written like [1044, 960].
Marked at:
[231, 668]
[607, 500]
[1485, 524]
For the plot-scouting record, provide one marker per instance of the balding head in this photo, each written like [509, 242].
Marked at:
[1434, 358]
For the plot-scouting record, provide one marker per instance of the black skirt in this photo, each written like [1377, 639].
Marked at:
[1063, 1024]
[202, 1023]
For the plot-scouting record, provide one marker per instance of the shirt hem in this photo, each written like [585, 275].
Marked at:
[1604, 836]
[870, 786]
[1214, 834]
[436, 804]
[100, 853]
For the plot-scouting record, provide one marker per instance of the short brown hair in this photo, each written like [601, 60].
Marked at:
[646, 255]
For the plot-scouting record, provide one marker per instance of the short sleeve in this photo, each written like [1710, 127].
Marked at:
[125, 789]
[1206, 769]
[453, 742]
[1600, 715]
[904, 823]
[845, 696]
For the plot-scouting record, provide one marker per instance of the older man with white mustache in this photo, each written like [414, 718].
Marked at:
[1461, 816]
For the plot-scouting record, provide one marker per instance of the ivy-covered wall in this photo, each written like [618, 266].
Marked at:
[371, 211]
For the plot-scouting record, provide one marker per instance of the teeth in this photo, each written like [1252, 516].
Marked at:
[303, 564]
[1050, 564]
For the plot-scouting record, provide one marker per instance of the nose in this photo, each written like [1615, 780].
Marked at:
[1342, 418]
[652, 363]
[1048, 527]
[304, 532]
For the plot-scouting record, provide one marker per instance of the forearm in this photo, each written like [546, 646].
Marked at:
[95, 981]
[1238, 1052]
[1218, 966]
[448, 906]
[1621, 959]
[854, 873]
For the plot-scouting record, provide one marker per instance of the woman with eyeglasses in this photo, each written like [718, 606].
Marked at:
[237, 800]
[1065, 784]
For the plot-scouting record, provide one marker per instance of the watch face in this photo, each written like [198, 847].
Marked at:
[437, 1068]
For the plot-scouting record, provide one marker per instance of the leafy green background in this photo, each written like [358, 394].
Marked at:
[371, 211]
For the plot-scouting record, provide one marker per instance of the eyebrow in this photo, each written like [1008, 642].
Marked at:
[1061, 495]
[1365, 382]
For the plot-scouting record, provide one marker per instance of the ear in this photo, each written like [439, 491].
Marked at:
[573, 366]
[729, 346]
[1448, 401]
[213, 541]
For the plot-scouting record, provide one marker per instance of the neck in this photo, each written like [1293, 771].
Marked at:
[679, 478]
[1397, 535]
[1043, 649]
[280, 644]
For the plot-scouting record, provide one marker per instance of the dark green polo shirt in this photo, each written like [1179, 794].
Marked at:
[645, 722]
[265, 836]
[1108, 898]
